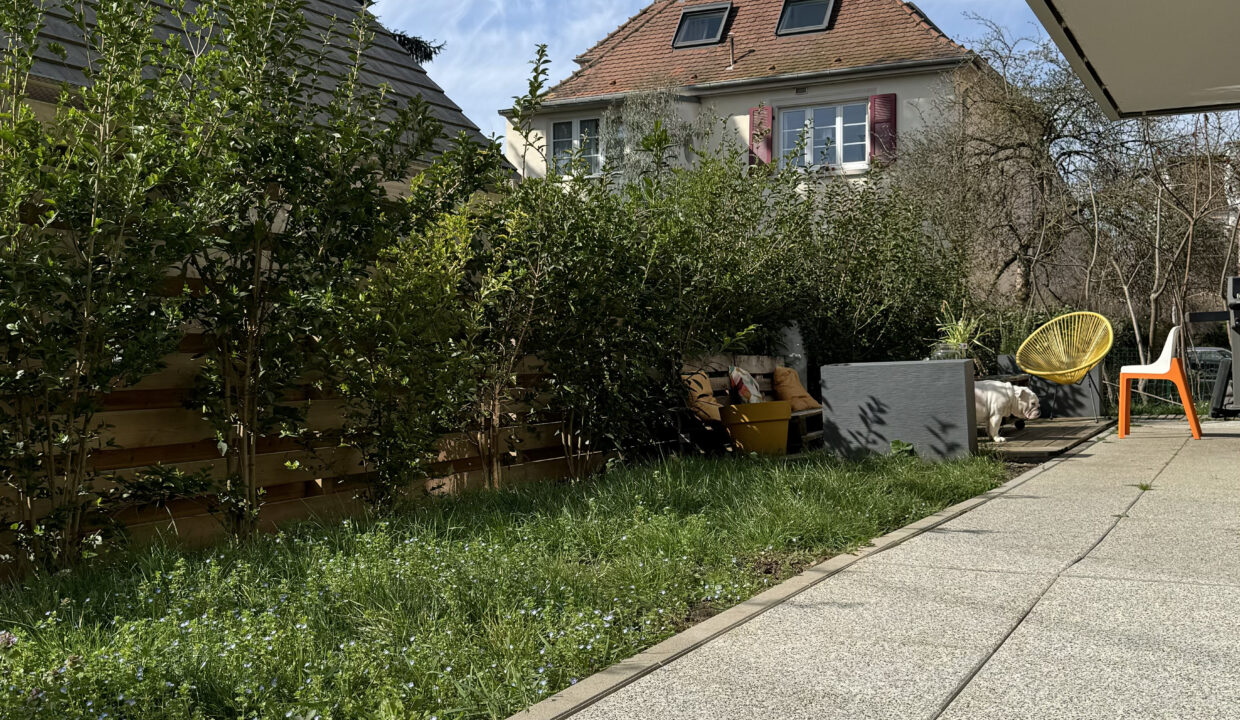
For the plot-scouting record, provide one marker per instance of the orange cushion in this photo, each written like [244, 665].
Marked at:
[702, 398]
[787, 385]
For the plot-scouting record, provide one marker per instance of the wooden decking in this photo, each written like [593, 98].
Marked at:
[1042, 440]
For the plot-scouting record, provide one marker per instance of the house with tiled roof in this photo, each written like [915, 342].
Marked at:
[829, 83]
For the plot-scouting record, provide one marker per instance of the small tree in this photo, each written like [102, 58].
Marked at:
[398, 353]
[89, 227]
[293, 163]
[640, 123]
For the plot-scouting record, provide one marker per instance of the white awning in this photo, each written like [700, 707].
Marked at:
[1150, 57]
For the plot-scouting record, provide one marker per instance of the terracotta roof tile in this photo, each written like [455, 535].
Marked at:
[639, 54]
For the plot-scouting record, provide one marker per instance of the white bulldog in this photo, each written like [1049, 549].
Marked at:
[998, 400]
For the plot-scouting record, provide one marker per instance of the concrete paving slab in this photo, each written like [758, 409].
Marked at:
[1035, 529]
[1185, 553]
[1115, 649]
[1004, 552]
[865, 644]
[1075, 594]
[1191, 509]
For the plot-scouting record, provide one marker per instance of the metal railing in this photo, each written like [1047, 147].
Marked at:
[1202, 375]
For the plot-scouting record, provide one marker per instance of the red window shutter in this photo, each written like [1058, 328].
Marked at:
[761, 135]
[883, 128]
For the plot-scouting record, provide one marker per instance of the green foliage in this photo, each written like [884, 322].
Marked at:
[399, 361]
[399, 353]
[469, 608]
[291, 198]
[876, 281]
[525, 108]
[901, 449]
[572, 259]
[960, 328]
[90, 221]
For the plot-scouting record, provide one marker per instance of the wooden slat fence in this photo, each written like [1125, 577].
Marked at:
[150, 426]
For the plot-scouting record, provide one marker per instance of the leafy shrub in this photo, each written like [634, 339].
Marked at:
[292, 200]
[400, 353]
[876, 281]
[89, 222]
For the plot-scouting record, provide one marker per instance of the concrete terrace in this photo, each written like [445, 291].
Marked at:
[1105, 585]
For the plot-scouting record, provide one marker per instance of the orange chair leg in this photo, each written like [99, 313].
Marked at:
[1180, 378]
[1125, 405]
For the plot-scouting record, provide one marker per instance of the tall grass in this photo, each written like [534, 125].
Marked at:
[469, 608]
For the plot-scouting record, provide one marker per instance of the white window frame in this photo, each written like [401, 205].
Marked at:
[554, 159]
[837, 162]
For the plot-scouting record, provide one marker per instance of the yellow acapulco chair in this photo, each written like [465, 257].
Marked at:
[1067, 348]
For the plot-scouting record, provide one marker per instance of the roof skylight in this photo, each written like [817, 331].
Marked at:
[702, 25]
[805, 16]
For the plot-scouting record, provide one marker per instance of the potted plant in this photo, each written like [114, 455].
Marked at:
[960, 336]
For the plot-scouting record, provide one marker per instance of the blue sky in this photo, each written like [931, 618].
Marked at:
[490, 42]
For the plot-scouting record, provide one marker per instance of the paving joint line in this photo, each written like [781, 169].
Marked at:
[977, 668]
[1159, 581]
[988, 571]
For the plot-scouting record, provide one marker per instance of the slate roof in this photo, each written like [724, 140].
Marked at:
[863, 34]
[386, 62]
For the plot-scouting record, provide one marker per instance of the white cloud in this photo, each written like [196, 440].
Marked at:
[490, 42]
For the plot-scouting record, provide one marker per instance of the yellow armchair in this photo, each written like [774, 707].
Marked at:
[1067, 348]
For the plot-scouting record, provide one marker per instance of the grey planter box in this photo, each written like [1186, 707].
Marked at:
[1083, 400]
[929, 405]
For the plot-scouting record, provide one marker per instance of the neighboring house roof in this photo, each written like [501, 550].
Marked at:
[864, 34]
[385, 62]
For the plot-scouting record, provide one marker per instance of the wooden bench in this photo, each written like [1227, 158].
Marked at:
[805, 431]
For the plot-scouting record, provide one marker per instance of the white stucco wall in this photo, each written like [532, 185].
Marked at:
[917, 95]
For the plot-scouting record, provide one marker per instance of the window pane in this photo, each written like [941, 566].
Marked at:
[561, 145]
[703, 27]
[854, 134]
[824, 117]
[856, 114]
[792, 130]
[804, 15]
[824, 145]
[590, 139]
[589, 136]
[854, 153]
[794, 121]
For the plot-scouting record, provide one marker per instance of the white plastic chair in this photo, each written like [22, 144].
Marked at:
[1167, 367]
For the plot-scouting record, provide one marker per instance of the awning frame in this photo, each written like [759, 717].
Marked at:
[1059, 31]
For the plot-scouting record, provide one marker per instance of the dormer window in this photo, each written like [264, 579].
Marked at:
[802, 16]
[702, 25]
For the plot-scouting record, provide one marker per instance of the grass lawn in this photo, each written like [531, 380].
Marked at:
[470, 608]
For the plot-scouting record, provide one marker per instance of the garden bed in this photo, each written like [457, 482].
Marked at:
[469, 608]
